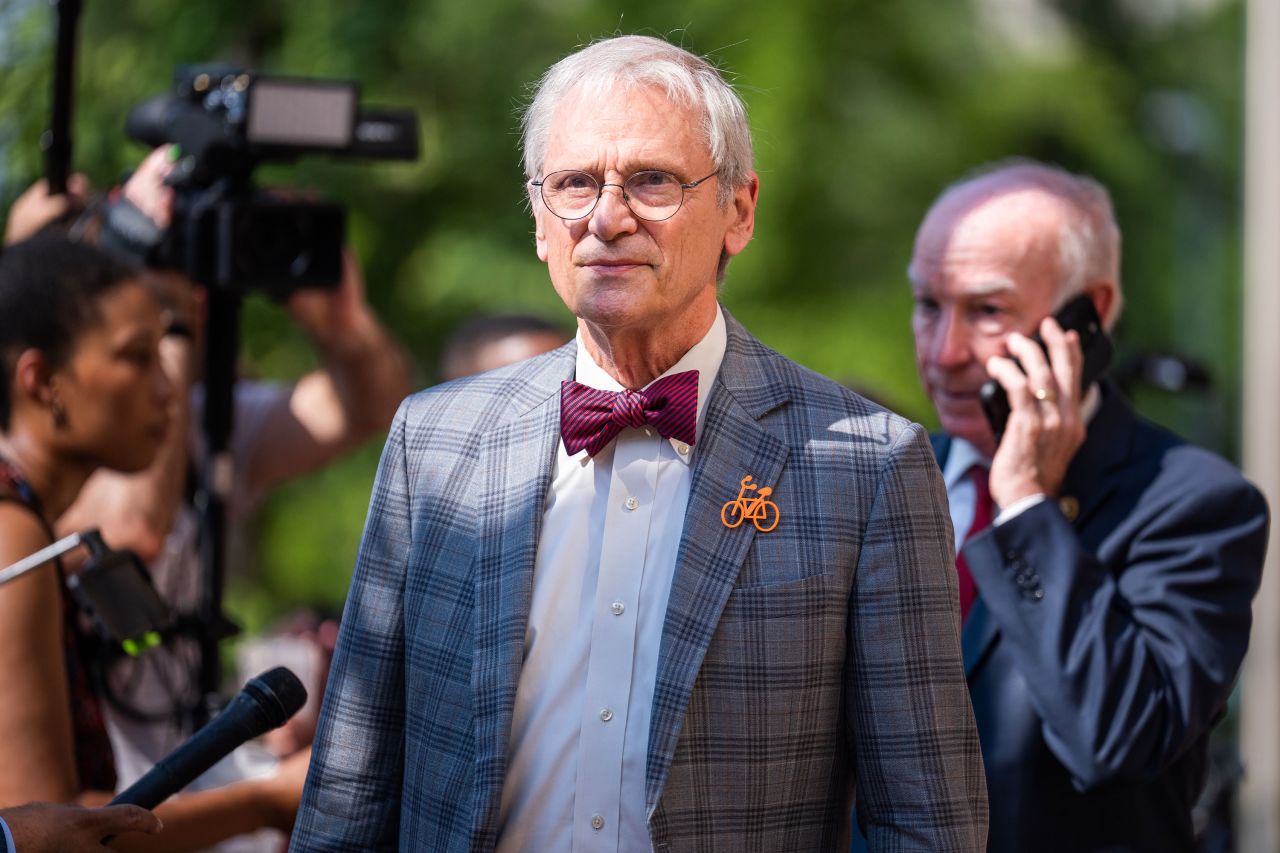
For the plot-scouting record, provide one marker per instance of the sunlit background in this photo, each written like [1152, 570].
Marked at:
[862, 112]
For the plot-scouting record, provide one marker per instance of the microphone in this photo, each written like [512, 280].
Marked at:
[265, 703]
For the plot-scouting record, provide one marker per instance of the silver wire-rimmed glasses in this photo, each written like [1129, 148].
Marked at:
[652, 195]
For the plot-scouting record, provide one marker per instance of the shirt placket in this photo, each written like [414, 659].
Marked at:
[607, 702]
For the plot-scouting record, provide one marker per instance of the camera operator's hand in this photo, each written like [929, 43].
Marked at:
[58, 828]
[36, 207]
[146, 189]
[1046, 426]
[363, 377]
[337, 317]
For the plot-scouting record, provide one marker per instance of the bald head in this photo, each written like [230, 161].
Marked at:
[1063, 221]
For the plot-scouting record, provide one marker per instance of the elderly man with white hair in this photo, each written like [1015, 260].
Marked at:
[1106, 568]
[660, 589]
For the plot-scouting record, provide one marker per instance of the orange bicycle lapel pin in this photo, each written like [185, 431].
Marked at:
[761, 511]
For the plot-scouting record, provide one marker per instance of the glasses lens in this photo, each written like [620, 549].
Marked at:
[654, 195]
[570, 193]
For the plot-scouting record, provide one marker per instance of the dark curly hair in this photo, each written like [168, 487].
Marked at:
[49, 291]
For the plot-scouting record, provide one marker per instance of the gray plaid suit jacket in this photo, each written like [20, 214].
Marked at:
[796, 666]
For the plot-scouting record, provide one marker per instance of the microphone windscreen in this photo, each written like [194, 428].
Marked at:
[279, 693]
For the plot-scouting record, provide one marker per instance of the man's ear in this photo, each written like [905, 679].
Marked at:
[539, 230]
[540, 243]
[743, 224]
[1103, 296]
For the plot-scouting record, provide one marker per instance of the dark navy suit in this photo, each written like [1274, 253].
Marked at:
[1102, 647]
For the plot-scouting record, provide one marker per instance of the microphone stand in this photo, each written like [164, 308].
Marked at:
[56, 141]
[217, 474]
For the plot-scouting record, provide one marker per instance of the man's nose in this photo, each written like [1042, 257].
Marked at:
[612, 217]
[162, 387]
[953, 347]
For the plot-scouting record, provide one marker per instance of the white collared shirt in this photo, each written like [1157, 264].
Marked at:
[962, 495]
[606, 559]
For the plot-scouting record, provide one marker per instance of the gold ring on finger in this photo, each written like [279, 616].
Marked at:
[1045, 395]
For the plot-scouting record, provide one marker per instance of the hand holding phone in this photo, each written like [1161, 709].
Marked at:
[1080, 316]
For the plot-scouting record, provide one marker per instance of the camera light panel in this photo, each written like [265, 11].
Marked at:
[301, 114]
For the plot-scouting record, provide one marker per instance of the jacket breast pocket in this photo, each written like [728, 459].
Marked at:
[780, 558]
[775, 666]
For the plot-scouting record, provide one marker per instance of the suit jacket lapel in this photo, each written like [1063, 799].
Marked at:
[979, 630]
[733, 444]
[514, 473]
[1107, 444]
[977, 635]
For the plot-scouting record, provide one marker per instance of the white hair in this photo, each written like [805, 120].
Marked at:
[1089, 240]
[615, 65]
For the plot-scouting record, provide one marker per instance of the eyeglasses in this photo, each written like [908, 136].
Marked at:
[651, 195]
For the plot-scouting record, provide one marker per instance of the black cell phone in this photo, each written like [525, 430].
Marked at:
[1079, 316]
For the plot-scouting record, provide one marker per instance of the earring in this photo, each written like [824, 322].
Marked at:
[58, 412]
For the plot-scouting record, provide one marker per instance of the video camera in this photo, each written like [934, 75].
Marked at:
[225, 121]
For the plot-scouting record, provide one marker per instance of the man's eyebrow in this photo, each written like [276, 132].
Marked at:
[992, 286]
[627, 168]
[986, 287]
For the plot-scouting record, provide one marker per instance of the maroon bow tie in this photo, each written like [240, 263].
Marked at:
[590, 418]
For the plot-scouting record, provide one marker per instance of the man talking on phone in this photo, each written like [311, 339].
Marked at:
[1106, 568]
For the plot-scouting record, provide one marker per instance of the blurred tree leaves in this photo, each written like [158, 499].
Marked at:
[862, 112]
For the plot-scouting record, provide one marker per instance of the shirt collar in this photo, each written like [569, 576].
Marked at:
[705, 357]
[960, 458]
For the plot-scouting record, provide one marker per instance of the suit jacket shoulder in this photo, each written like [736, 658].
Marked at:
[801, 405]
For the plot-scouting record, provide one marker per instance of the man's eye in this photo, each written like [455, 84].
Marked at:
[652, 180]
[571, 182]
[926, 303]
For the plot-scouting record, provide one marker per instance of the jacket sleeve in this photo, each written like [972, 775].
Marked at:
[352, 796]
[1127, 664]
[918, 766]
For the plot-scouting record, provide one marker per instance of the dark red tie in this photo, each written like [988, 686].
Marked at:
[590, 418]
[983, 509]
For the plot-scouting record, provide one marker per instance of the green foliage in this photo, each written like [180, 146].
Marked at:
[862, 112]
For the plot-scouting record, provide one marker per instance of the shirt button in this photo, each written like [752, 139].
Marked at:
[682, 448]
[597, 822]
[632, 502]
[606, 715]
[617, 608]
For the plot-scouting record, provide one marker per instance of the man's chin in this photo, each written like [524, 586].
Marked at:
[972, 426]
[614, 306]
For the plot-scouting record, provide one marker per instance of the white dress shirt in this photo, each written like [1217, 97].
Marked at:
[606, 559]
[962, 495]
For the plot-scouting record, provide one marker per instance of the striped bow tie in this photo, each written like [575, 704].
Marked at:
[590, 418]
